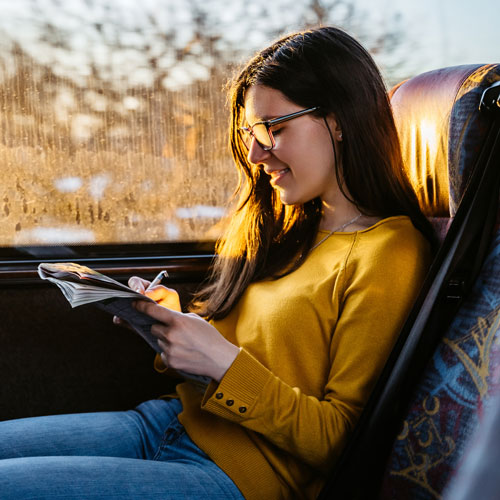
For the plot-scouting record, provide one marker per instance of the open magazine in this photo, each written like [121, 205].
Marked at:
[82, 285]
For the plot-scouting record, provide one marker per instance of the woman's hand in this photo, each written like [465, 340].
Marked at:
[189, 343]
[162, 295]
[166, 297]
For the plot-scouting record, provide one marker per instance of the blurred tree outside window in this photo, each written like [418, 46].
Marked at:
[113, 125]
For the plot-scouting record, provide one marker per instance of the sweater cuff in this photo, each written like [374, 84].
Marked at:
[234, 396]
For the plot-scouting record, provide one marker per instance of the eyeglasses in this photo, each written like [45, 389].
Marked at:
[262, 133]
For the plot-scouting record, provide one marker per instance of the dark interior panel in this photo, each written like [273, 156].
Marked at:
[55, 359]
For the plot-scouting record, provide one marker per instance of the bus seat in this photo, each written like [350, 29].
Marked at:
[463, 373]
[442, 370]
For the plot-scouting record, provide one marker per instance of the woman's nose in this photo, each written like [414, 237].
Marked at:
[256, 154]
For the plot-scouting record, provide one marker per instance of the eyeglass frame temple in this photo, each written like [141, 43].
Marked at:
[276, 121]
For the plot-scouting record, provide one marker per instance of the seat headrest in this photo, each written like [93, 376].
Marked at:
[441, 131]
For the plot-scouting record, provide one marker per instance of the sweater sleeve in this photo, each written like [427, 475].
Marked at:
[377, 293]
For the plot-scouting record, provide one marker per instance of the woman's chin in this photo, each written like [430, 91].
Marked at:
[286, 200]
[289, 199]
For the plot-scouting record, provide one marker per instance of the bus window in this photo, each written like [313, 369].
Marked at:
[113, 116]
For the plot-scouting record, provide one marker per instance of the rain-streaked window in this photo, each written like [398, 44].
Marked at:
[113, 116]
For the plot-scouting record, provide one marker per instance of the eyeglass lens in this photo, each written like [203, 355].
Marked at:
[259, 131]
[263, 134]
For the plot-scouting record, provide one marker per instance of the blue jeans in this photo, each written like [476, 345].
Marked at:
[139, 454]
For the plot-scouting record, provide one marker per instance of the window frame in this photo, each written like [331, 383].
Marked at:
[184, 261]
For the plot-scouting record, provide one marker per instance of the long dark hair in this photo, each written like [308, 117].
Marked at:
[324, 67]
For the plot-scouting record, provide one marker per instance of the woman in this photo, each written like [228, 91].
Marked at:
[313, 279]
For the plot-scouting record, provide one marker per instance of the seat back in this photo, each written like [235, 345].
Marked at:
[442, 131]
[447, 146]
[462, 374]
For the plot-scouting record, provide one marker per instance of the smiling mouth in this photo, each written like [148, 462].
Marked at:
[277, 175]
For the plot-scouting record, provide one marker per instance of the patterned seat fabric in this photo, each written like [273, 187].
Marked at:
[464, 372]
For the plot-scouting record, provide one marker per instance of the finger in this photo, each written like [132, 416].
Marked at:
[163, 354]
[138, 284]
[159, 292]
[166, 297]
[155, 311]
[159, 330]
[121, 322]
[163, 345]
[164, 359]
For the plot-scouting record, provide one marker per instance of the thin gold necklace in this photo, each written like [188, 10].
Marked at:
[340, 228]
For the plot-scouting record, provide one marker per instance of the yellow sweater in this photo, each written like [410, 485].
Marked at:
[312, 345]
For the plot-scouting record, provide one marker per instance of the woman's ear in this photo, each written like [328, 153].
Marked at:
[334, 127]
